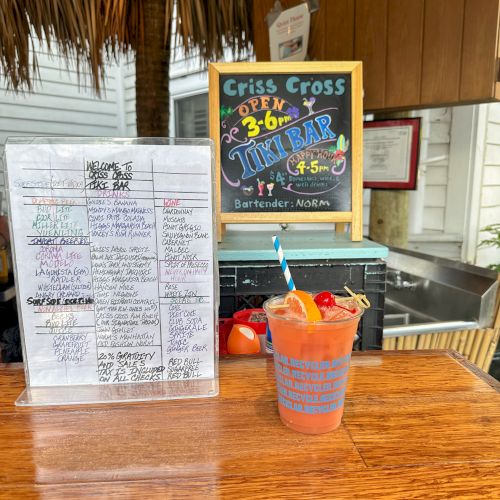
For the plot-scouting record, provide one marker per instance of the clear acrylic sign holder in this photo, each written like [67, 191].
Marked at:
[115, 266]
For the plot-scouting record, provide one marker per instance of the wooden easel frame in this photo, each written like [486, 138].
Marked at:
[355, 217]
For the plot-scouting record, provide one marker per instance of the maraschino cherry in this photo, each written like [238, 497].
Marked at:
[325, 299]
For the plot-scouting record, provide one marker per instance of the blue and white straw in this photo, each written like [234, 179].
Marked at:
[283, 264]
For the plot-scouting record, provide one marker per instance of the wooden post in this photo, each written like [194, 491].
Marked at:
[389, 217]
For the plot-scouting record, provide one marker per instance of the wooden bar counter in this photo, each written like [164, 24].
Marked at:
[416, 425]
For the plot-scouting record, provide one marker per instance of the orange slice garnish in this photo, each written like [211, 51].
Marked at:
[302, 304]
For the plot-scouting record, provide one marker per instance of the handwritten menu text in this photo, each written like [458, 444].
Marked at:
[115, 265]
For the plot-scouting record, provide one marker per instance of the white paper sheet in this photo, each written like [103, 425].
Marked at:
[289, 34]
[387, 154]
[114, 253]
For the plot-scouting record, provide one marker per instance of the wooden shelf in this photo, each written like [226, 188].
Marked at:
[423, 53]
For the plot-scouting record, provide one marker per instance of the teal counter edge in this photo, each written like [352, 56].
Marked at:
[297, 245]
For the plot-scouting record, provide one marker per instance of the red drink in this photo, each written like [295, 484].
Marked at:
[311, 362]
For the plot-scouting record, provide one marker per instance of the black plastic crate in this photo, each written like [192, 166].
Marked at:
[248, 284]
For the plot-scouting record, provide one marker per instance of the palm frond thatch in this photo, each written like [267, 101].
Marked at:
[211, 25]
[92, 32]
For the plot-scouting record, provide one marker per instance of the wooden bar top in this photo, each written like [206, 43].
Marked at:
[416, 425]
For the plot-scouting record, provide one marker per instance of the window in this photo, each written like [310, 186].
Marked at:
[191, 116]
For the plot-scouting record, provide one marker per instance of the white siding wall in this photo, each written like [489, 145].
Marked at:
[437, 134]
[434, 236]
[489, 212]
[129, 95]
[182, 65]
[59, 106]
[436, 131]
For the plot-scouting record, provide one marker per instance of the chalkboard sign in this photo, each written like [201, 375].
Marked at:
[288, 142]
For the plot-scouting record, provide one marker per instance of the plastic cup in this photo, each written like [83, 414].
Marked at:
[311, 363]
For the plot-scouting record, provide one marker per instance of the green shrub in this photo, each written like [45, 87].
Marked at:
[494, 241]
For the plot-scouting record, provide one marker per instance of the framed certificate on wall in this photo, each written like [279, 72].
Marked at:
[390, 151]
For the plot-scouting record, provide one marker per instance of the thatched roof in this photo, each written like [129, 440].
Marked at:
[92, 32]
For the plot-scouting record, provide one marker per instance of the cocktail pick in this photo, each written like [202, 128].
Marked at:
[283, 263]
[359, 298]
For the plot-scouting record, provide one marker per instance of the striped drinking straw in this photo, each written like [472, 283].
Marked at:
[283, 264]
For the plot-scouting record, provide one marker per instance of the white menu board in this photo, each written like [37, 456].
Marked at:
[114, 252]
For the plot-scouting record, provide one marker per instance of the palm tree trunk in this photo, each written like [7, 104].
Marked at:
[151, 73]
